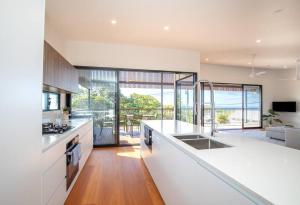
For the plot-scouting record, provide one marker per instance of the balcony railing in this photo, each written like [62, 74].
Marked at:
[227, 118]
[130, 119]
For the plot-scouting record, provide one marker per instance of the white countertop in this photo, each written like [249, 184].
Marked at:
[49, 140]
[268, 173]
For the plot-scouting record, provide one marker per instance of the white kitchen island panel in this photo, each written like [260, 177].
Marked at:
[181, 180]
[250, 171]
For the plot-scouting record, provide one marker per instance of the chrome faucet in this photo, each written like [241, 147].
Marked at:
[212, 104]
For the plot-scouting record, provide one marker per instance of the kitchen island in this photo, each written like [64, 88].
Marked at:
[247, 172]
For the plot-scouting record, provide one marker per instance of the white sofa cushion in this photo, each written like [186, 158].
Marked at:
[292, 137]
[276, 129]
[276, 132]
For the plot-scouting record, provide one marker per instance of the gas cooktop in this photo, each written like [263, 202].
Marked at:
[50, 128]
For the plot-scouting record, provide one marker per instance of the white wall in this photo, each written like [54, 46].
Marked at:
[273, 88]
[288, 91]
[130, 56]
[21, 59]
[121, 55]
[53, 37]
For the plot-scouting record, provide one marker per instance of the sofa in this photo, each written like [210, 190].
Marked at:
[276, 133]
[290, 135]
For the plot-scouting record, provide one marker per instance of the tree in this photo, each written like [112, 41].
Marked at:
[100, 99]
[80, 99]
[137, 104]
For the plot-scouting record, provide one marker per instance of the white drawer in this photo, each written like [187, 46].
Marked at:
[53, 178]
[59, 196]
[86, 147]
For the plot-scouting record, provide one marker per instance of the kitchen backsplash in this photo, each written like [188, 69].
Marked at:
[49, 116]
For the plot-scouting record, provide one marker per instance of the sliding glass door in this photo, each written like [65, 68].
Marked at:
[118, 100]
[228, 106]
[144, 95]
[252, 103]
[140, 99]
[185, 98]
[237, 106]
[98, 99]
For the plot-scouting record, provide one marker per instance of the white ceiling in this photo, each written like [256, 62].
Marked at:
[224, 31]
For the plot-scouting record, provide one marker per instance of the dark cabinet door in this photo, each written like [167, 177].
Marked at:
[51, 59]
[74, 79]
[58, 72]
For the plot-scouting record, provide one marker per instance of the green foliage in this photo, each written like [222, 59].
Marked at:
[137, 104]
[271, 117]
[100, 99]
[223, 117]
[80, 99]
[103, 100]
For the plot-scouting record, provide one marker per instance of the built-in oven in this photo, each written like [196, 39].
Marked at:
[73, 155]
[148, 136]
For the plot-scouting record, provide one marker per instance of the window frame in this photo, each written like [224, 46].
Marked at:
[47, 93]
[243, 106]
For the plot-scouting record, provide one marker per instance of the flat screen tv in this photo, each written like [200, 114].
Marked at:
[288, 106]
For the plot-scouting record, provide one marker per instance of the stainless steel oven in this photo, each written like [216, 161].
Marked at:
[148, 135]
[72, 160]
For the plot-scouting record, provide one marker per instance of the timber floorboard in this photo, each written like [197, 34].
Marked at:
[114, 176]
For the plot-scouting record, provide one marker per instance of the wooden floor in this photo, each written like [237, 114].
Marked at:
[114, 176]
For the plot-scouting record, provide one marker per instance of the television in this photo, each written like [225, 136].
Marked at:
[288, 106]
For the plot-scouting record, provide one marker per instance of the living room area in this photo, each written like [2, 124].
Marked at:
[278, 120]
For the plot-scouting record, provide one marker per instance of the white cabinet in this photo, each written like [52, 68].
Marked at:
[182, 180]
[53, 178]
[54, 165]
[59, 195]
[86, 143]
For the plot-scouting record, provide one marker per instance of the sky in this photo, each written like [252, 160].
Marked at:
[233, 99]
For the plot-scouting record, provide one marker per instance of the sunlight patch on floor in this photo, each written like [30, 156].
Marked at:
[133, 153]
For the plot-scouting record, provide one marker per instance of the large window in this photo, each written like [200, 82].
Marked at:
[185, 98]
[118, 100]
[237, 106]
[168, 94]
[252, 106]
[81, 101]
[97, 98]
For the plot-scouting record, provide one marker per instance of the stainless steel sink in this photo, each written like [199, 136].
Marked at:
[188, 137]
[205, 143]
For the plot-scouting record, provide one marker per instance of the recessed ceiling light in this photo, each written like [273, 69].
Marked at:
[258, 41]
[113, 21]
[206, 59]
[249, 63]
[166, 28]
[285, 67]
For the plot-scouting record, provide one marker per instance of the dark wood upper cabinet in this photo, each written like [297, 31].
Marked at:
[58, 72]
